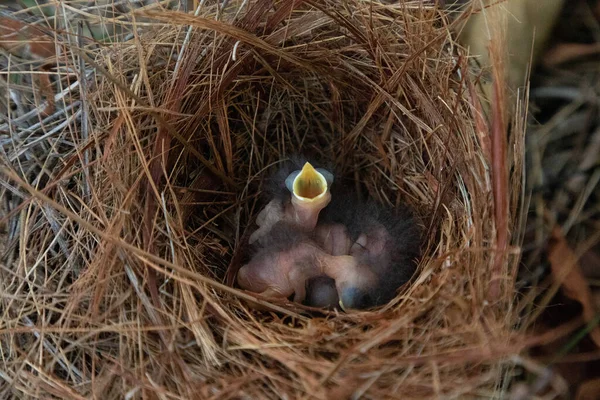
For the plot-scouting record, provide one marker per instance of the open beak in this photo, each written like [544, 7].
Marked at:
[310, 194]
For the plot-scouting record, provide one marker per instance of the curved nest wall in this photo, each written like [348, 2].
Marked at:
[121, 257]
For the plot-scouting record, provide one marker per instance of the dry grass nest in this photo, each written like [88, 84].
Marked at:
[126, 210]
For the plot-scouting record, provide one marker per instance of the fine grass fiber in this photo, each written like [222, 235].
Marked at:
[127, 207]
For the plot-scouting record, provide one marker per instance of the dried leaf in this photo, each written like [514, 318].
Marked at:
[589, 390]
[566, 270]
[25, 40]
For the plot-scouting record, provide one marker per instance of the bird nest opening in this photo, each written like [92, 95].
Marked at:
[188, 117]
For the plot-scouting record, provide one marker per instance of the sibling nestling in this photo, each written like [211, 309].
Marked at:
[326, 247]
[286, 260]
[308, 195]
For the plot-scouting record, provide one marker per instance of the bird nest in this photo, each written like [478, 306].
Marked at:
[126, 212]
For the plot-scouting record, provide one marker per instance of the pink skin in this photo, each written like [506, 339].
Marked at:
[303, 215]
[372, 244]
[368, 250]
[306, 215]
[284, 273]
[281, 274]
[332, 253]
[333, 239]
[354, 275]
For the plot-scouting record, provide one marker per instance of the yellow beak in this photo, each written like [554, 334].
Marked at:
[310, 194]
[310, 184]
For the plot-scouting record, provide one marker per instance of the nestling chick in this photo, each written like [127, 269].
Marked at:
[307, 194]
[321, 291]
[385, 244]
[325, 246]
[286, 259]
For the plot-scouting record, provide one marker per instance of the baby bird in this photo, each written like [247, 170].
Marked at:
[285, 260]
[323, 245]
[306, 193]
[385, 243]
[299, 192]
